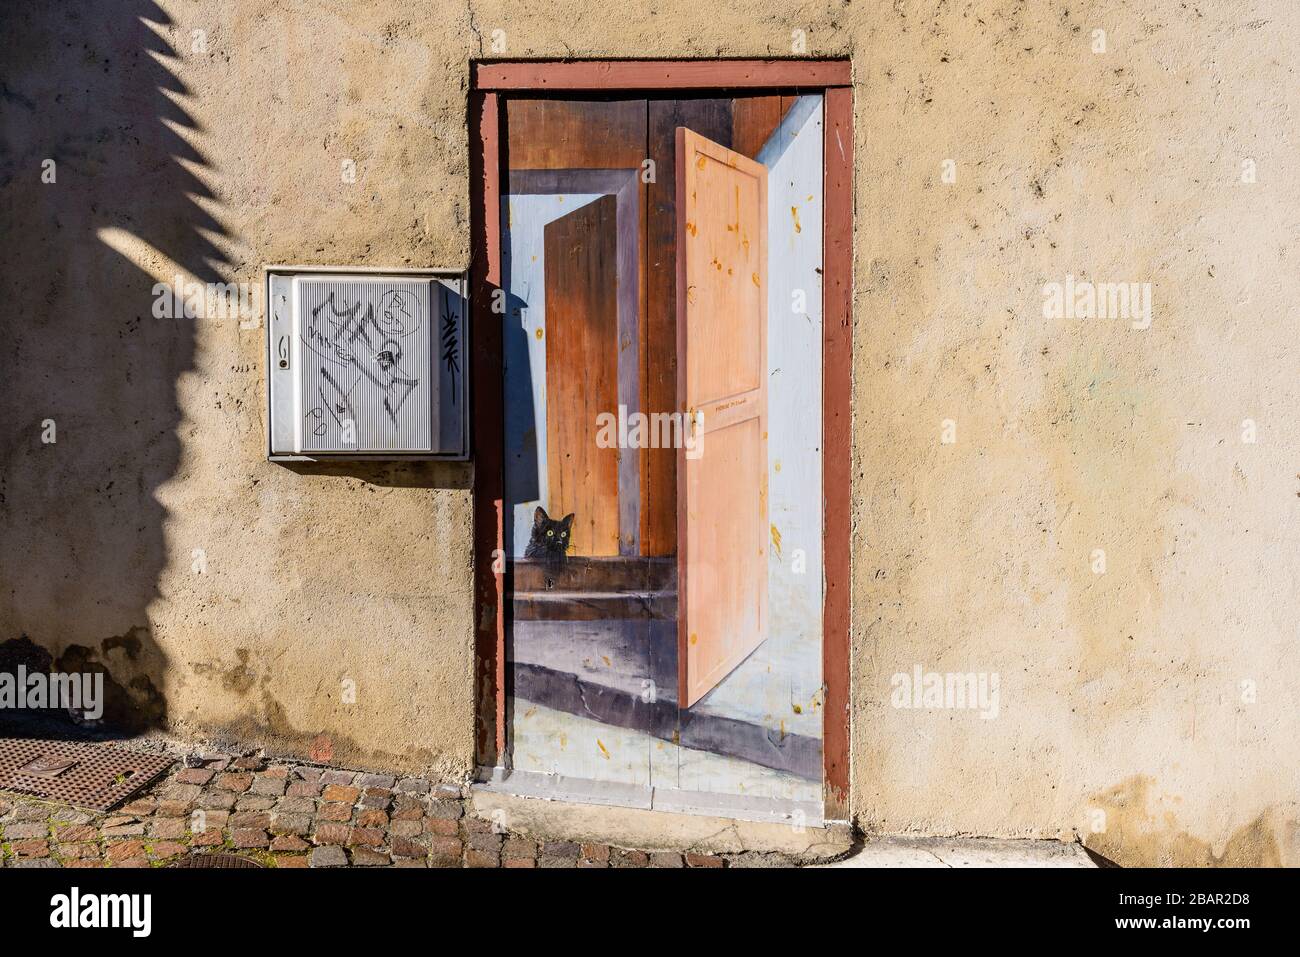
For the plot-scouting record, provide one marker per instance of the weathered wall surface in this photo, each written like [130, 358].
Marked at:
[1149, 708]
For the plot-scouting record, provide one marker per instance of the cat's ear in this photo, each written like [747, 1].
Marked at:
[567, 521]
[539, 517]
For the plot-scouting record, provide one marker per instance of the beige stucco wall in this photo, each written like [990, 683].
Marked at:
[1121, 710]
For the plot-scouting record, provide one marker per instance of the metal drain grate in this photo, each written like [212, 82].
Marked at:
[93, 776]
[215, 860]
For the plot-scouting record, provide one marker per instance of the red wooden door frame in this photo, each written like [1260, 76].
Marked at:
[490, 84]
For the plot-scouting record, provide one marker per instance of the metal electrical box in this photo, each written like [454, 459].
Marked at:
[365, 364]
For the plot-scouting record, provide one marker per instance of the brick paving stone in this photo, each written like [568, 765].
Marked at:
[368, 836]
[409, 862]
[168, 828]
[413, 786]
[330, 833]
[376, 798]
[665, 859]
[203, 820]
[519, 847]
[251, 819]
[254, 802]
[451, 792]
[476, 858]
[585, 863]
[198, 776]
[67, 815]
[249, 837]
[557, 862]
[283, 823]
[287, 842]
[406, 828]
[330, 856]
[334, 812]
[405, 847]
[84, 863]
[119, 851]
[268, 784]
[307, 774]
[230, 781]
[217, 801]
[30, 848]
[30, 811]
[296, 805]
[561, 849]
[433, 825]
[341, 792]
[281, 771]
[372, 819]
[77, 851]
[365, 857]
[476, 825]
[181, 792]
[445, 850]
[162, 850]
[209, 838]
[250, 763]
[39, 862]
[704, 860]
[5, 807]
[485, 842]
[26, 830]
[405, 809]
[337, 777]
[291, 861]
[446, 810]
[174, 808]
[595, 852]
[385, 781]
[303, 789]
[123, 830]
[625, 858]
[140, 861]
[518, 862]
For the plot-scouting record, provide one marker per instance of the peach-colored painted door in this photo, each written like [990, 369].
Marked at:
[722, 387]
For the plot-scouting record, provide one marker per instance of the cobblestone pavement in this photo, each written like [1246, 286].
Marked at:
[288, 815]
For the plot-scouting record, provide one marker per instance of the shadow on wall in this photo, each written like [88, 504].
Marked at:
[95, 165]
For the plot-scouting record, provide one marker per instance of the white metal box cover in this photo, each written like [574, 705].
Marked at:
[366, 364]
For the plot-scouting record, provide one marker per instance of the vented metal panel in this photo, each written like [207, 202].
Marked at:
[96, 776]
[366, 364]
[215, 861]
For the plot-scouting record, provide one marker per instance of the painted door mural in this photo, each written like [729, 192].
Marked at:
[662, 345]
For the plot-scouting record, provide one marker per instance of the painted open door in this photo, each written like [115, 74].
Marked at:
[582, 357]
[722, 386]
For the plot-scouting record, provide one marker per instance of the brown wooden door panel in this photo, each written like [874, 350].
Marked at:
[721, 374]
[582, 372]
[711, 118]
[576, 134]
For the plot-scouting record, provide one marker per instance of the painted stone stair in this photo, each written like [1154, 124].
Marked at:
[598, 638]
[595, 589]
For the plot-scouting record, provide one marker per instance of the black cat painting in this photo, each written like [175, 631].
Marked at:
[550, 538]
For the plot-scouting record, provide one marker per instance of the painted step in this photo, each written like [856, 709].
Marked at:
[624, 673]
[593, 605]
[614, 574]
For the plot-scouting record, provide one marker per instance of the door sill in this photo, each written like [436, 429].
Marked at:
[554, 787]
